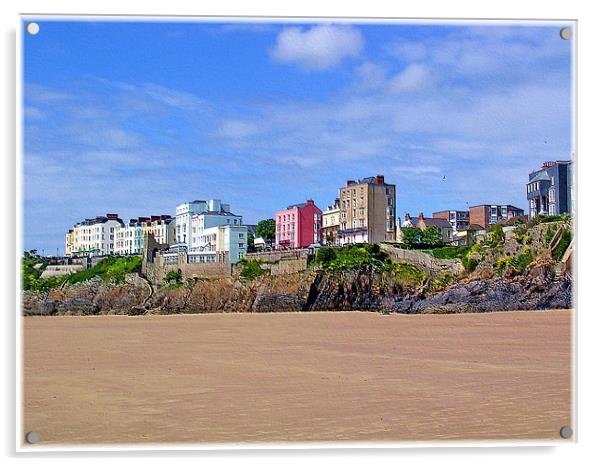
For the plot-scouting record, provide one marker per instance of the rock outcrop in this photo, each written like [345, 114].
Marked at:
[363, 289]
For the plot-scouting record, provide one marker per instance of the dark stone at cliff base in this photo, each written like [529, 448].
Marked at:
[521, 293]
[277, 302]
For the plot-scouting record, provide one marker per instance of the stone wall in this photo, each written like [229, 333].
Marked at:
[57, 270]
[288, 266]
[273, 256]
[424, 261]
[155, 272]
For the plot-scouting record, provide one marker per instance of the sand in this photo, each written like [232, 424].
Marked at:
[297, 377]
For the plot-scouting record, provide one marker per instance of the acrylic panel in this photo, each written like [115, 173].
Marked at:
[279, 231]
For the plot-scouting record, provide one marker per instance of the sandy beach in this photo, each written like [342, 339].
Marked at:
[218, 378]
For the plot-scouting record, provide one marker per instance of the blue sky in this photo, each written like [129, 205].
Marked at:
[135, 117]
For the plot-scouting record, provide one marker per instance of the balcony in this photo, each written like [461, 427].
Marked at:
[351, 231]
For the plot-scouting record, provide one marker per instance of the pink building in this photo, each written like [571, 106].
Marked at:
[298, 226]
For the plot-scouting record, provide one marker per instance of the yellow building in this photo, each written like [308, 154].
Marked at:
[69, 243]
[367, 211]
[331, 220]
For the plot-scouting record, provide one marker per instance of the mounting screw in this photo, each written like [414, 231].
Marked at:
[32, 437]
[566, 432]
[566, 33]
[33, 28]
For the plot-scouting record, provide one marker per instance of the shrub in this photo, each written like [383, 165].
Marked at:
[441, 284]
[563, 244]
[406, 274]
[173, 277]
[252, 269]
[519, 262]
[550, 234]
[469, 264]
[353, 256]
[325, 256]
[451, 252]
[110, 269]
[496, 234]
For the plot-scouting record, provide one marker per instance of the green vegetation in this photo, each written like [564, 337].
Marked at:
[405, 274]
[350, 257]
[546, 219]
[252, 269]
[451, 252]
[31, 270]
[173, 278]
[469, 263]
[266, 229]
[550, 234]
[563, 244]
[112, 269]
[414, 238]
[496, 234]
[250, 242]
[521, 235]
[464, 253]
[519, 262]
[325, 255]
[441, 284]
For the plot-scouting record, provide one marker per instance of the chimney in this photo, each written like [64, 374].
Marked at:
[421, 216]
[406, 217]
[380, 179]
[310, 202]
[350, 182]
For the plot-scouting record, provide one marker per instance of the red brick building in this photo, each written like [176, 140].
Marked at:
[298, 226]
[486, 215]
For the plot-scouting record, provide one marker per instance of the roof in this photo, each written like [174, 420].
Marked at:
[542, 175]
[428, 221]
[215, 212]
[496, 205]
[515, 220]
[472, 227]
[450, 210]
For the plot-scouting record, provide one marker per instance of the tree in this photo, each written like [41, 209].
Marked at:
[431, 236]
[411, 236]
[266, 229]
[325, 255]
[250, 242]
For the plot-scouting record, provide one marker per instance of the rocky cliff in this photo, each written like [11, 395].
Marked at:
[365, 288]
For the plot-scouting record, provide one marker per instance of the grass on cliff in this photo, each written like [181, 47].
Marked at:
[351, 257]
[519, 262]
[405, 274]
[563, 244]
[252, 269]
[111, 269]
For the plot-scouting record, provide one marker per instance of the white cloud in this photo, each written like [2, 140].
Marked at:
[320, 47]
[370, 75]
[174, 98]
[413, 78]
[405, 50]
[236, 129]
[33, 113]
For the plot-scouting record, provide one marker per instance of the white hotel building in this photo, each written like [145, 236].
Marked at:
[129, 239]
[206, 228]
[212, 244]
[93, 236]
